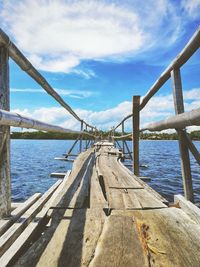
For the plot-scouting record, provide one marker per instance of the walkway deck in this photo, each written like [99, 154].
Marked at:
[104, 216]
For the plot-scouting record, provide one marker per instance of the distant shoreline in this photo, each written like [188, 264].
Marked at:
[37, 135]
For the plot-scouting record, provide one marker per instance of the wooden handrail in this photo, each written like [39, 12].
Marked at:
[26, 66]
[179, 61]
[179, 121]
[17, 120]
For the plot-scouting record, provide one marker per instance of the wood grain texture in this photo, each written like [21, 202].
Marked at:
[5, 188]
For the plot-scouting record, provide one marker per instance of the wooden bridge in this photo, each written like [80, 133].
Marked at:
[99, 213]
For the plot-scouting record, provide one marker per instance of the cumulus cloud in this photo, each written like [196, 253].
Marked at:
[58, 35]
[158, 108]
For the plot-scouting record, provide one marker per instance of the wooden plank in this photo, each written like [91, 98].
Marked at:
[16, 229]
[188, 207]
[168, 236]
[64, 159]
[119, 244]
[146, 186]
[13, 252]
[60, 175]
[74, 182]
[15, 205]
[80, 235]
[71, 239]
[97, 199]
[16, 213]
[114, 174]
[81, 198]
[146, 200]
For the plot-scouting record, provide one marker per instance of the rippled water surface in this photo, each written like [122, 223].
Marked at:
[32, 161]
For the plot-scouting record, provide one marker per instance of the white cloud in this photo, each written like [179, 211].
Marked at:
[158, 108]
[58, 35]
[64, 92]
[192, 8]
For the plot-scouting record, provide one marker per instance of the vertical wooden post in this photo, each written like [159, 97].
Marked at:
[113, 134]
[136, 133]
[123, 145]
[5, 192]
[86, 138]
[184, 153]
[81, 137]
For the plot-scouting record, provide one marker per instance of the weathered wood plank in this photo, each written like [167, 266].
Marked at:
[81, 198]
[16, 213]
[60, 175]
[97, 199]
[78, 233]
[148, 188]
[169, 237]
[119, 244]
[75, 183]
[15, 230]
[188, 207]
[146, 199]
[13, 252]
[15, 205]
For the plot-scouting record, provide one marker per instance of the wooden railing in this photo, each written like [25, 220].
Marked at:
[7, 119]
[178, 122]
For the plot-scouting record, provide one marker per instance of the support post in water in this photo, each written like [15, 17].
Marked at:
[136, 133]
[184, 153]
[123, 145]
[81, 137]
[5, 191]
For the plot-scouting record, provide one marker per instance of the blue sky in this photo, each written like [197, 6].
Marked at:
[98, 54]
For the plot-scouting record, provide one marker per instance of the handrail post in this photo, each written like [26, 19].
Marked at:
[184, 153]
[123, 145]
[136, 133]
[81, 137]
[85, 137]
[112, 137]
[5, 191]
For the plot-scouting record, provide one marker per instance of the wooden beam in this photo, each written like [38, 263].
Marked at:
[136, 133]
[16, 213]
[81, 137]
[188, 207]
[16, 120]
[26, 66]
[26, 236]
[59, 175]
[192, 148]
[183, 57]
[16, 229]
[123, 145]
[5, 191]
[184, 153]
[190, 48]
[179, 121]
[71, 149]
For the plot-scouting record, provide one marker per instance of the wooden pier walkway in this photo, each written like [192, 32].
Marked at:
[103, 215]
[99, 214]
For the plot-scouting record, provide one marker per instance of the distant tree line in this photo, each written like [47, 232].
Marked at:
[195, 135]
[46, 135]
